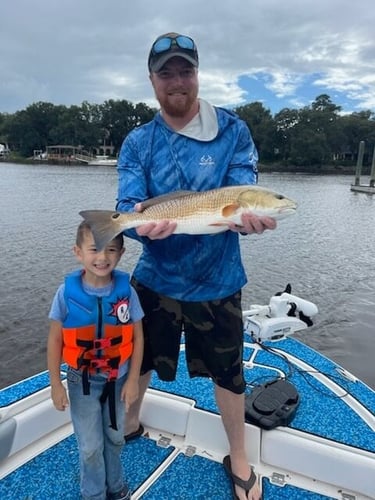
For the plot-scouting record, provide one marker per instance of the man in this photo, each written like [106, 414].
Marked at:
[191, 282]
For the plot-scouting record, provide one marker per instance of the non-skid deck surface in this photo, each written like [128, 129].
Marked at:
[55, 474]
[24, 388]
[19, 391]
[320, 412]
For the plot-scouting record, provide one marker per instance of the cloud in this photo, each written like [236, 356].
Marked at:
[76, 50]
[222, 89]
[283, 83]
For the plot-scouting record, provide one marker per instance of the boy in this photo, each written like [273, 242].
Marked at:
[96, 329]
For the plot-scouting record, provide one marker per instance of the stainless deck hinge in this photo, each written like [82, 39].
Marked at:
[347, 496]
[190, 451]
[164, 442]
[278, 479]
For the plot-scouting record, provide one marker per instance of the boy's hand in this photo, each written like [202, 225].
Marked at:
[129, 393]
[59, 397]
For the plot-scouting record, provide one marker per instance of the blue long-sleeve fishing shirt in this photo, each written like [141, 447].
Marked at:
[155, 160]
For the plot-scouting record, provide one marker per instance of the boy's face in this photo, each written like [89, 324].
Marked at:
[98, 265]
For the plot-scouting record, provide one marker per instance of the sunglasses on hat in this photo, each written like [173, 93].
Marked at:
[170, 45]
[167, 42]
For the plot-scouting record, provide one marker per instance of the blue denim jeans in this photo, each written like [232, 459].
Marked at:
[99, 445]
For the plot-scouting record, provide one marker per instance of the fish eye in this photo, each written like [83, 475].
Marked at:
[279, 197]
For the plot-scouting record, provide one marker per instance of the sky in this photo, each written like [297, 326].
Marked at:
[280, 53]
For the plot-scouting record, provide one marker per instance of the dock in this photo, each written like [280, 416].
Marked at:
[357, 186]
[362, 188]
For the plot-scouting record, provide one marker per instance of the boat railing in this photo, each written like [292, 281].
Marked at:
[29, 426]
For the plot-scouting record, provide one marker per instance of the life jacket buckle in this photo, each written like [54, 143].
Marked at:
[112, 375]
[102, 343]
[99, 363]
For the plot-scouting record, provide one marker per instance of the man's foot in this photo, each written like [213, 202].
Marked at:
[242, 489]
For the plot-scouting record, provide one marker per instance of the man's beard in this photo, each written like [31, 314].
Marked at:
[178, 108]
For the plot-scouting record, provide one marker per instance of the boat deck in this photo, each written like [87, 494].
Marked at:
[262, 366]
[159, 465]
[55, 474]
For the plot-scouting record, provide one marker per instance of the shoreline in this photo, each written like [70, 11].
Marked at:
[262, 167]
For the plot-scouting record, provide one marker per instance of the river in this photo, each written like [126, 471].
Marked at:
[326, 251]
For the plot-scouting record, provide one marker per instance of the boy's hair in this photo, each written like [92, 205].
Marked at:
[84, 228]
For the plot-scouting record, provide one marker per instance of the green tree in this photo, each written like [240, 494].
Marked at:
[285, 121]
[4, 121]
[262, 126]
[359, 126]
[324, 104]
[66, 130]
[312, 135]
[118, 118]
[29, 129]
[327, 117]
[89, 125]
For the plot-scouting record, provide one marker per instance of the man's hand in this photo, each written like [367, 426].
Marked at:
[252, 223]
[157, 230]
[154, 230]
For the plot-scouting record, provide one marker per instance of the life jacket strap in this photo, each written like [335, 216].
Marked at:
[105, 364]
[85, 381]
[109, 388]
[109, 392]
[97, 344]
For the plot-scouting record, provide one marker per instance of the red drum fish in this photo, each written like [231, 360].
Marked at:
[204, 212]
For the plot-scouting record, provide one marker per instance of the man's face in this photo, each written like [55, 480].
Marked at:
[176, 86]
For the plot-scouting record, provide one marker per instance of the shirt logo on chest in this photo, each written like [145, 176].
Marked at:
[206, 161]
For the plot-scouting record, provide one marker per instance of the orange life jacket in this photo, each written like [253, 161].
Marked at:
[97, 334]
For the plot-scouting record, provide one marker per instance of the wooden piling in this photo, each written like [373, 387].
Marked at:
[358, 169]
[372, 174]
[357, 186]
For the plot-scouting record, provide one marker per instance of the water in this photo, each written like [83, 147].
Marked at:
[326, 251]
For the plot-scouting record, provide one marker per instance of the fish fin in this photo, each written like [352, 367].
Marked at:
[164, 197]
[229, 210]
[103, 226]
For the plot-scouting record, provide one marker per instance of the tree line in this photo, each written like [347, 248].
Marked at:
[315, 135]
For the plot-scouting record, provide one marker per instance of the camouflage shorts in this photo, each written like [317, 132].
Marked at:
[213, 337]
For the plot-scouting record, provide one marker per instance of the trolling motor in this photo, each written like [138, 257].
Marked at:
[284, 315]
[275, 403]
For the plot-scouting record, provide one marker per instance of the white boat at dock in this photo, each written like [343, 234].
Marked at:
[103, 160]
[98, 160]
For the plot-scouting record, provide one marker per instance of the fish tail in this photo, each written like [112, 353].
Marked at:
[104, 226]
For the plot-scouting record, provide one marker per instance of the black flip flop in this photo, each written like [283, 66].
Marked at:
[235, 480]
[134, 435]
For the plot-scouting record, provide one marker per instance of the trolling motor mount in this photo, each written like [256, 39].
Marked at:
[279, 318]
